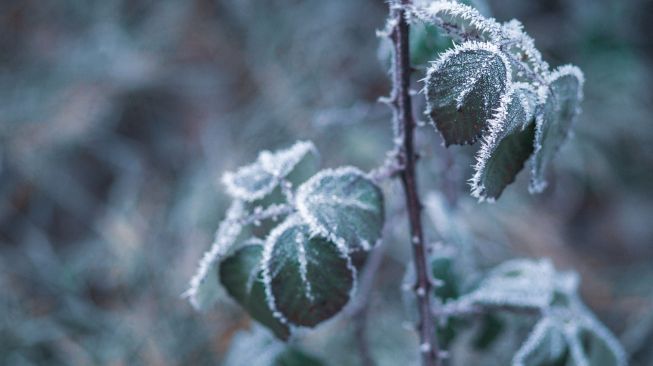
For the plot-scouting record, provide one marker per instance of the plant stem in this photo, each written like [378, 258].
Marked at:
[404, 124]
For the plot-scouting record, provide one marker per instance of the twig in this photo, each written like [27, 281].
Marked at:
[404, 125]
[271, 212]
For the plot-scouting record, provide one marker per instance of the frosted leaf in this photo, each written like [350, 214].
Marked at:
[507, 146]
[307, 278]
[343, 205]
[516, 283]
[554, 122]
[464, 90]
[460, 21]
[255, 181]
[522, 46]
[241, 276]
[568, 325]
[204, 289]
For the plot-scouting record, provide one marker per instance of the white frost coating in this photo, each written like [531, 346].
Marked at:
[270, 241]
[572, 70]
[306, 195]
[534, 340]
[434, 11]
[488, 144]
[225, 236]
[513, 34]
[239, 191]
[303, 265]
[269, 168]
[490, 141]
[537, 185]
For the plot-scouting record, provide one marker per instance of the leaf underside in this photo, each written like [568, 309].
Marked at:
[554, 123]
[463, 91]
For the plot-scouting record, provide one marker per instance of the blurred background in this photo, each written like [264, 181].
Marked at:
[117, 119]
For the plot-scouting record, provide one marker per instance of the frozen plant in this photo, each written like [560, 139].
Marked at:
[315, 229]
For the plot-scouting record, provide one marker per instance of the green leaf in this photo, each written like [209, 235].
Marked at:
[308, 279]
[464, 88]
[344, 206]
[507, 147]
[554, 121]
[257, 180]
[241, 275]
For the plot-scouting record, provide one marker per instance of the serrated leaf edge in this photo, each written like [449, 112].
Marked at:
[466, 12]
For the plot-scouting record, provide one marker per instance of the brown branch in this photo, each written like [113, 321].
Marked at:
[404, 126]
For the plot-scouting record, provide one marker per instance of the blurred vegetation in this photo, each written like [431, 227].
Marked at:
[118, 117]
